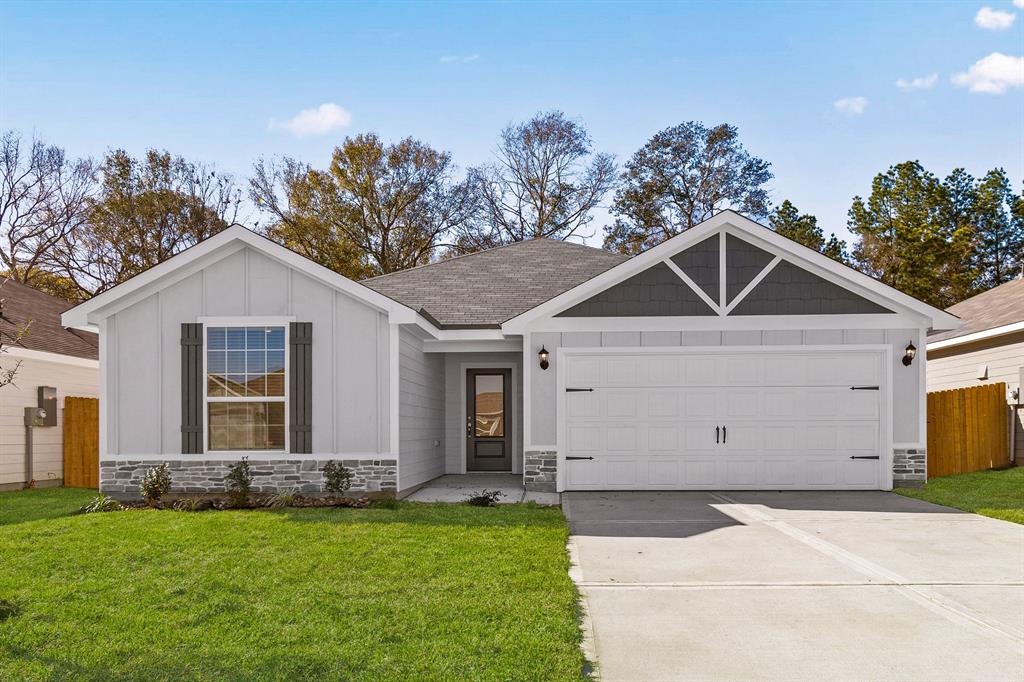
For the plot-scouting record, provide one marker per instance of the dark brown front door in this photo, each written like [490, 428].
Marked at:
[488, 440]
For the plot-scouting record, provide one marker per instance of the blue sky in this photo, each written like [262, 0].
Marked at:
[207, 80]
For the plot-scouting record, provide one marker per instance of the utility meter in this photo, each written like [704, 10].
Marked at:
[47, 401]
[35, 416]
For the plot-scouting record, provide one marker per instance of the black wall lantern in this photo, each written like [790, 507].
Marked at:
[543, 355]
[908, 357]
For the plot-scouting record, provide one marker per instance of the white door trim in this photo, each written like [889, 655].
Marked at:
[885, 357]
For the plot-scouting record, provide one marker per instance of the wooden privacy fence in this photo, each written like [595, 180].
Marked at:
[968, 430]
[82, 442]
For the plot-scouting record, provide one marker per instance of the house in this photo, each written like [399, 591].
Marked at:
[48, 355]
[987, 348]
[727, 357]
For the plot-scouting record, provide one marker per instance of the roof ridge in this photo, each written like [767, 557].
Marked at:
[481, 252]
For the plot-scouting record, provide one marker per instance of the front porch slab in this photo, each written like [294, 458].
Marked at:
[459, 487]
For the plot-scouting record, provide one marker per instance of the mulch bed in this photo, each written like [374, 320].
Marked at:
[256, 501]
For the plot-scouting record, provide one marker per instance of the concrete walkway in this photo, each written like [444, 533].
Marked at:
[458, 487]
[796, 586]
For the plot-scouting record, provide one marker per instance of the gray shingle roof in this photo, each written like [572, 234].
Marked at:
[993, 308]
[41, 312]
[487, 288]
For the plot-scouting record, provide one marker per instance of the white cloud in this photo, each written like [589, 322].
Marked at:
[1019, 3]
[919, 83]
[459, 58]
[994, 19]
[993, 74]
[316, 121]
[851, 106]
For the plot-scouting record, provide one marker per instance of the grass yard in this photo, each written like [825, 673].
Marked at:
[999, 494]
[424, 592]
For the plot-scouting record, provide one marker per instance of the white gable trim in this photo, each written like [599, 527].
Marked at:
[221, 245]
[743, 228]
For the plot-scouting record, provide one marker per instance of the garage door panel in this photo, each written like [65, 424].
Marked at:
[700, 403]
[621, 403]
[583, 372]
[585, 438]
[663, 472]
[699, 471]
[663, 403]
[662, 438]
[621, 438]
[741, 471]
[623, 372]
[790, 421]
[582, 405]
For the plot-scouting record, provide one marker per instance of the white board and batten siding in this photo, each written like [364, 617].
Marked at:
[142, 356]
[650, 419]
[70, 379]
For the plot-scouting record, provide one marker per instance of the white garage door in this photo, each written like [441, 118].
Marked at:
[723, 420]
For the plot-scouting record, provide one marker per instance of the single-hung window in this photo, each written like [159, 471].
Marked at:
[245, 388]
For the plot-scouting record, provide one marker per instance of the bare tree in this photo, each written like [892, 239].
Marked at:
[545, 182]
[379, 208]
[44, 196]
[146, 211]
[681, 177]
[11, 332]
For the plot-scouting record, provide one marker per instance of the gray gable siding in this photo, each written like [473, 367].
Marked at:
[789, 290]
[743, 262]
[655, 292]
[701, 264]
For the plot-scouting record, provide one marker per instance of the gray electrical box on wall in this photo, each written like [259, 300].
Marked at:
[35, 416]
[48, 402]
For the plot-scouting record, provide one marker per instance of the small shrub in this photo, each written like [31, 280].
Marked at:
[287, 496]
[487, 498]
[156, 483]
[386, 503]
[101, 503]
[239, 481]
[337, 478]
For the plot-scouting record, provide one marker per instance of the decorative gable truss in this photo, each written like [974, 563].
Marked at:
[755, 282]
[730, 273]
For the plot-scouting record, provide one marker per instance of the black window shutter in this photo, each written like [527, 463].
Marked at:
[300, 387]
[191, 388]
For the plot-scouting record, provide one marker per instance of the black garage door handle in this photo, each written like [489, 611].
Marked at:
[863, 456]
[579, 458]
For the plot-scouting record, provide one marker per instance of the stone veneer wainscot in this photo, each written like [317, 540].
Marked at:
[909, 467]
[121, 478]
[540, 470]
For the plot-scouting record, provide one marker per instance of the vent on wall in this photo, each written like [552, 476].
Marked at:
[982, 372]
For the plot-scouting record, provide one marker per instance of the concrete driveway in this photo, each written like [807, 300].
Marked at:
[796, 586]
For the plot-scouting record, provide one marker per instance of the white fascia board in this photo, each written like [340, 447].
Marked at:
[210, 250]
[46, 356]
[510, 345]
[728, 323]
[731, 222]
[976, 336]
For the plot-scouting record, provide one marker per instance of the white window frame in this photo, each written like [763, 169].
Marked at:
[208, 322]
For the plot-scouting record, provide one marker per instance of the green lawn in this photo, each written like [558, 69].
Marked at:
[420, 592]
[999, 494]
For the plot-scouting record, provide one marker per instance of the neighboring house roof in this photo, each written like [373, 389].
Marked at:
[484, 289]
[22, 305]
[996, 311]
